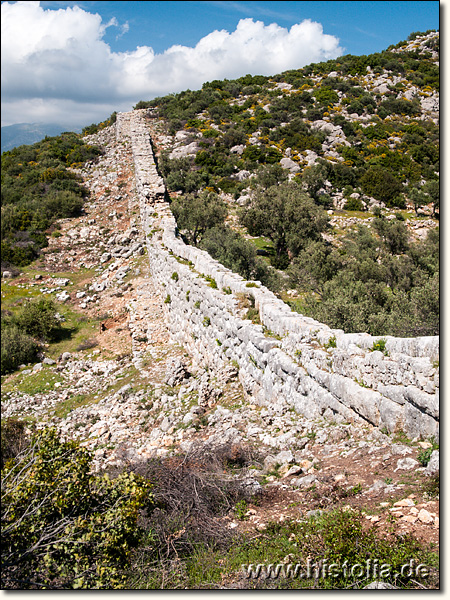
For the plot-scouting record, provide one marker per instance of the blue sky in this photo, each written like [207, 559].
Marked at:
[75, 62]
[362, 27]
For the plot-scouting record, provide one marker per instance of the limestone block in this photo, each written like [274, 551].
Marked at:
[391, 414]
[281, 362]
[419, 424]
[428, 403]
[396, 393]
[433, 465]
[304, 482]
[288, 163]
[363, 401]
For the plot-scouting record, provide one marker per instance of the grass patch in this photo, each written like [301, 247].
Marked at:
[253, 316]
[339, 538]
[400, 437]
[75, 401]
[269, 333]
[13, 295]
[76, 329]
[33, 383]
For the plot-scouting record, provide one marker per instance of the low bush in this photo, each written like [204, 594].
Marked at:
[17, 348]
[354, 204]
[424, 456]
[38, 319]
[64, 527]
[193, 492]
[338, 538]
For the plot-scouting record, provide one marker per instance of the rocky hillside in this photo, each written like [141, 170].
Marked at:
[357, 135]
[379, 111]
[115, 380]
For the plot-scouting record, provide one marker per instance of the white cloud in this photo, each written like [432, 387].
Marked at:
[56, 65]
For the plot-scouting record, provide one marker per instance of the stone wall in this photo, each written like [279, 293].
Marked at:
[289, 359]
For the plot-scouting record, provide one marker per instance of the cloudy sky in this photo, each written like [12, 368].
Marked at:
[74, 63]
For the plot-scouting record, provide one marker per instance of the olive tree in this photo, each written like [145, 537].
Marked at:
[287, 216]
[196, 214]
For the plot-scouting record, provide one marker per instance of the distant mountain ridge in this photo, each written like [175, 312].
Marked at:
[29, 133]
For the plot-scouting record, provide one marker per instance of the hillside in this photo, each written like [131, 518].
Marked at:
[360, 137]
[203, 424]
[28, 133]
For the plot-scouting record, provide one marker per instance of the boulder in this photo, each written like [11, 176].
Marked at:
[284, 458]
[304, 481]
[63, 296]
[183, 151]
[433, 464]
[237, 149]
[287, 163]
[406, 464]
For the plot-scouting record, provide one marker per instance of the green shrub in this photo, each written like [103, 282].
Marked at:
[18, 255]
[354, 204]
[424, 456]
[167, 299]
[236, 253]
[17, 348]
[382, 185]
[38, 319]
[380, 345]
[287, 216]
[241, 510]
[326, 96]
[331, 342]
[212, 282]
[195, 215]
[64, 527]
[175, 276]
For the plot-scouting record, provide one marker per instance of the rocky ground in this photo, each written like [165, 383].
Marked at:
[129, 393]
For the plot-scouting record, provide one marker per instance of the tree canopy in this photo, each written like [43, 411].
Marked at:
[287, 216]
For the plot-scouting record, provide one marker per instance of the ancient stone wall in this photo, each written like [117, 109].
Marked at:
[289, 359]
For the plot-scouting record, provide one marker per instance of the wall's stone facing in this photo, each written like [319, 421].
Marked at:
[289, 359]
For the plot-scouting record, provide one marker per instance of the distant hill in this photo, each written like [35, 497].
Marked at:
[29, 133]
